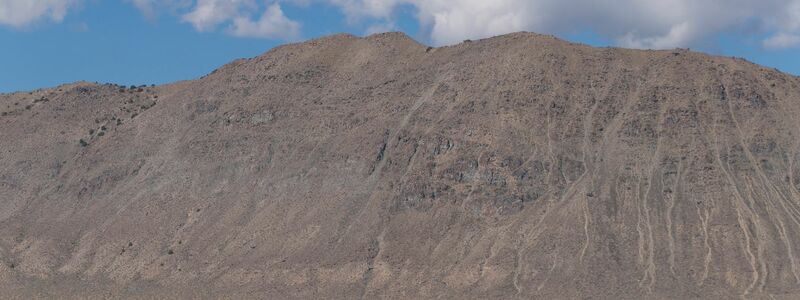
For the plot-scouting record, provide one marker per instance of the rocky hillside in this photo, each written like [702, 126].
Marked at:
[516, 166]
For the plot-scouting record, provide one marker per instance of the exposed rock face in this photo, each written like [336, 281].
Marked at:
[516, 166]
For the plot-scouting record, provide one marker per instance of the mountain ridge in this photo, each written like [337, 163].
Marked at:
[403, 36]
[345, 167]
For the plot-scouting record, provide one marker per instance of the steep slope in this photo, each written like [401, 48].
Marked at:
[344, 167]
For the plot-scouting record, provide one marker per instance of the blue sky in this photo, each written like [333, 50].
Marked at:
[44, 43]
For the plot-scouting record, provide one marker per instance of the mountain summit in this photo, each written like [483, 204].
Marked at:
[343, 167]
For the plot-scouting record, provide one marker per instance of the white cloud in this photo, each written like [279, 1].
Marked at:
[208, 14]
[355, 9]
[631, 23]
[655, 24]
[21, 13]
[272, 24]
[147, 7]
[381, 27]
[782, 41]
[789, 35]
[680, 34]
[453, 21]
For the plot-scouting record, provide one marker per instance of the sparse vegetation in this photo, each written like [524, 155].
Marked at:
[83, 143]
[170, 252]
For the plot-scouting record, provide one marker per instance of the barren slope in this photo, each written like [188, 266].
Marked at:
[343, 167]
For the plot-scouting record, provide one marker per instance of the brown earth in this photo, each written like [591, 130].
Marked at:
[519, 166]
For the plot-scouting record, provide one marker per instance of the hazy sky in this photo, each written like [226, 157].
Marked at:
[48, 42]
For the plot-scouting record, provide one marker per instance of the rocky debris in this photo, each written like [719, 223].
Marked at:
[344, 167]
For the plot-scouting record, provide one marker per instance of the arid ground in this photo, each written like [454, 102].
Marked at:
[519, 166]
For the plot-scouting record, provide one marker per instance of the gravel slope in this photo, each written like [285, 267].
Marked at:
[516, 166]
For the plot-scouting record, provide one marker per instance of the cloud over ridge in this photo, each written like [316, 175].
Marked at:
[653, 24]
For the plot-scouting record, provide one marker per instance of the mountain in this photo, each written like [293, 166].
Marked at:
[519, 166]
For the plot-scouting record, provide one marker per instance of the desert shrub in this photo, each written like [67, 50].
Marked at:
[83, 143]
